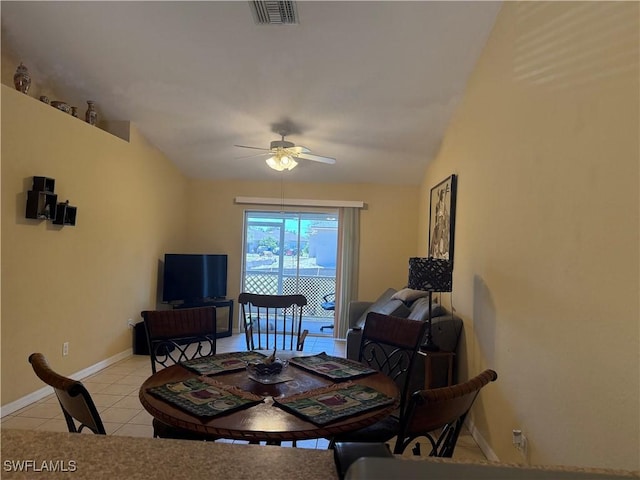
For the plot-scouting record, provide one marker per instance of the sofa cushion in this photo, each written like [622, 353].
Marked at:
[409, 295]
[420, 310]
[385, 305]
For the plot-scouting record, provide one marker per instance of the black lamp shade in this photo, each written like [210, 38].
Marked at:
[430, 274]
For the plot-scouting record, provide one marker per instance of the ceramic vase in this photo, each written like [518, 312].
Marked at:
[22, 79]
[91, 115]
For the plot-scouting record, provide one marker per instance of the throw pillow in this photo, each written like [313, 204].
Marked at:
[420, 310]
[386, 306]
[409, 295]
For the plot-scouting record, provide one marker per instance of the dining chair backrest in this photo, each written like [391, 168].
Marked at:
[390, 345]
[180, 334]
[273, 321]
[75, 401]
[438, 414]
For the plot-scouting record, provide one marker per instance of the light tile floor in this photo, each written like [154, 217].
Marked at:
[115, 392]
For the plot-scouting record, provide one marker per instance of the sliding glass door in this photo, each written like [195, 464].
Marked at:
[293, 252]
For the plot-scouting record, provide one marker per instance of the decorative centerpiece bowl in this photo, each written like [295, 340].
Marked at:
[268, 367]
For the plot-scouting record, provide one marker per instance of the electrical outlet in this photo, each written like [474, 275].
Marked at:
[65, 349]
[519, 441]
[130, 323]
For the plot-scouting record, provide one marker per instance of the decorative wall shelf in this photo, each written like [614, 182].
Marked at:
[44, 184]
[65, 214]
[42, 203]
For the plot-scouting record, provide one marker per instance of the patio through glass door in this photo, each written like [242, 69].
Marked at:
[293, 253]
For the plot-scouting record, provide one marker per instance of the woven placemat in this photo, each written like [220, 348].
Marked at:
[205, 397]
[222, 362]
[335, 402]
[335, 368]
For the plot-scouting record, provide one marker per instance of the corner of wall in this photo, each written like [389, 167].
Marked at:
[119, 128]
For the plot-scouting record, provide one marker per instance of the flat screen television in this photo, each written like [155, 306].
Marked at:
[192, 278]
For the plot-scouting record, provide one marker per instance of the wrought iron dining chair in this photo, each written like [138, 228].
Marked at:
[438, 415]
[75, 401]
[174, 336]
[180, 334]
[273, 321]
[390, 345]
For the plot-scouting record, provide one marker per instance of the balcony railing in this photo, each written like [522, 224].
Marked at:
[313, 287]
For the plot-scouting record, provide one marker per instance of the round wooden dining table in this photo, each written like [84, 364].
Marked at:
[264, 421]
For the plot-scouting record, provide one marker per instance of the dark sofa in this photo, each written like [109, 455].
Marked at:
[446, 328]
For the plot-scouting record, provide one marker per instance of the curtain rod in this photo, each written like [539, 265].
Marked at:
[299, 202]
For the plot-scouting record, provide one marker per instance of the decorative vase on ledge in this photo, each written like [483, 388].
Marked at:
[22, 79]
[91, 116]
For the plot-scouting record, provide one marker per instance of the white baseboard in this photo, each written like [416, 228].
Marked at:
[22, 402]
[482, 443]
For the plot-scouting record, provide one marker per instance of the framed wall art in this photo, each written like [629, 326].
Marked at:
[442, 216]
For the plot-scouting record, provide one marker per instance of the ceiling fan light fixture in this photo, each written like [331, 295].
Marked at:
[284, 155]
[288, 162]
[281, 162]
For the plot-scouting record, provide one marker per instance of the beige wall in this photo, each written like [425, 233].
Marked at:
[79, 284]
[387, 225]
[545, 144]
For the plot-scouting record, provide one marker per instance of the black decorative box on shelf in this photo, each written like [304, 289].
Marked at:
[65, 214]
[43, 184]
[41, 205]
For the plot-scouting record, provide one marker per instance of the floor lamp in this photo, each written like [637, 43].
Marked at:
[430, 275]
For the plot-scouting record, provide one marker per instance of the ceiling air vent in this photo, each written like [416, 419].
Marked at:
[274, 13]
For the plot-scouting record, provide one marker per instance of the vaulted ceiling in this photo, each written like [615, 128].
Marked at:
[373, 84]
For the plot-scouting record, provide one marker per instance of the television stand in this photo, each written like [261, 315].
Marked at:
[218, 303]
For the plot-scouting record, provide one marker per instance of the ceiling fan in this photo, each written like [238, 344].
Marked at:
[283, 154]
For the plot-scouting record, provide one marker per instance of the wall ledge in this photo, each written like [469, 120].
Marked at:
[116, 128]
[119, 128]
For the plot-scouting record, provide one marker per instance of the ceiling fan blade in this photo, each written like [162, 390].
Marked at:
[298, 149]
[254, 148]
[316, 158]
[264, 154]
